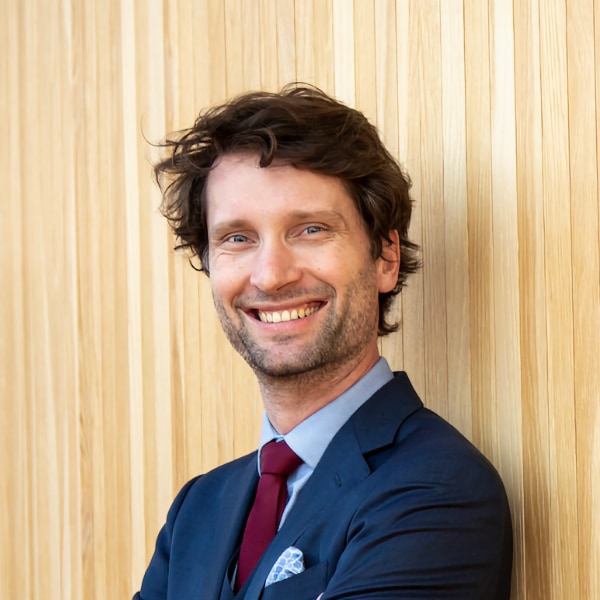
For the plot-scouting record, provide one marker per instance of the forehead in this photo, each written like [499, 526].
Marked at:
[237, 184]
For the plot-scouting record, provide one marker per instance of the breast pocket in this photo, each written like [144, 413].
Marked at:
[307, 585]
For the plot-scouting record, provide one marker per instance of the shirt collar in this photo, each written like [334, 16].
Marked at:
[310, 438]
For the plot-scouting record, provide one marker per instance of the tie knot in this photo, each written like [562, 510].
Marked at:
[277, 458]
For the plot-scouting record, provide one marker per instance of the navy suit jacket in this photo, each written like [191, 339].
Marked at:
[401, 505]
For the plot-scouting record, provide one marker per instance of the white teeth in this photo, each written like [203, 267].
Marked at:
[286, 315]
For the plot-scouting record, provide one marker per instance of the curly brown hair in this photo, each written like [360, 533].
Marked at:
[303, 127]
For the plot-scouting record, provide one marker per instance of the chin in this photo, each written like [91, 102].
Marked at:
[279, 370]
[265, 363]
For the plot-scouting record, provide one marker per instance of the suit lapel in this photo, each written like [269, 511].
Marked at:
[372, 427]
[235, 501]
[377, 422]
[342, 467]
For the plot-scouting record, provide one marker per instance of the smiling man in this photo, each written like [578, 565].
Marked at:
[300, 218]
[294, 282]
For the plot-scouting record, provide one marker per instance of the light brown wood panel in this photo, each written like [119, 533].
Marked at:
[116, 381]
[583, 162]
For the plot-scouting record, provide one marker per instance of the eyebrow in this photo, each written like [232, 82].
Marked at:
[317, 214]
[327, 215]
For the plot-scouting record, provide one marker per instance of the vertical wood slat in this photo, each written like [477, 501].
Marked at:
[506, 276]
[593, 450]
[132, 258]
[532, 285]
[585, 236]
[480, 224]
[15, 578]
[117, 384]
[430, 157]
[410, 132]
[343, 51]
[365, 58]
[455, 211]
[559, 326]
[388, 118]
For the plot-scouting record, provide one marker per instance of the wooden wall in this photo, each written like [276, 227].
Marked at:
[116, 383]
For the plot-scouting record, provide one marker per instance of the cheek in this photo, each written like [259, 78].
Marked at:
[221, 287]
[332, 261]
[227, 282]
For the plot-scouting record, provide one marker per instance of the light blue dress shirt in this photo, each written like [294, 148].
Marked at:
[310, 438]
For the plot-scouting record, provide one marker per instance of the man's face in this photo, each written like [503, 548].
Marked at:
[292, 276]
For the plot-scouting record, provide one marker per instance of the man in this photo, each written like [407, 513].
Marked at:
[299, 216]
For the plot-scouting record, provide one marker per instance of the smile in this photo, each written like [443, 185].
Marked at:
[286, 315]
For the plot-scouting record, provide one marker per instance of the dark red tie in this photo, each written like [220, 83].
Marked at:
[277, 461]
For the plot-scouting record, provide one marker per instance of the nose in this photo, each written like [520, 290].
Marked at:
[275, 266]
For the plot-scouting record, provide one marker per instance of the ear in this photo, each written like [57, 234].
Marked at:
[388, 264]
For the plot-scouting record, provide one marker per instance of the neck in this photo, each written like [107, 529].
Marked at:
[290, 400]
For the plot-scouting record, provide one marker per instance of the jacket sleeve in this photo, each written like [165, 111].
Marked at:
[442, 530]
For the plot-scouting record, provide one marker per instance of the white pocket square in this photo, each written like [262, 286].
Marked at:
[291, 562]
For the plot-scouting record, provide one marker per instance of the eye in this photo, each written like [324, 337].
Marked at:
[237, 238]
[313, 229]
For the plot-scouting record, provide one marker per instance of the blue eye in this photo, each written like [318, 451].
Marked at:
[313, 229]
[238, 238]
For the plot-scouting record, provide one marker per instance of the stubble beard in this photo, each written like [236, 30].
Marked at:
[341, 340]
